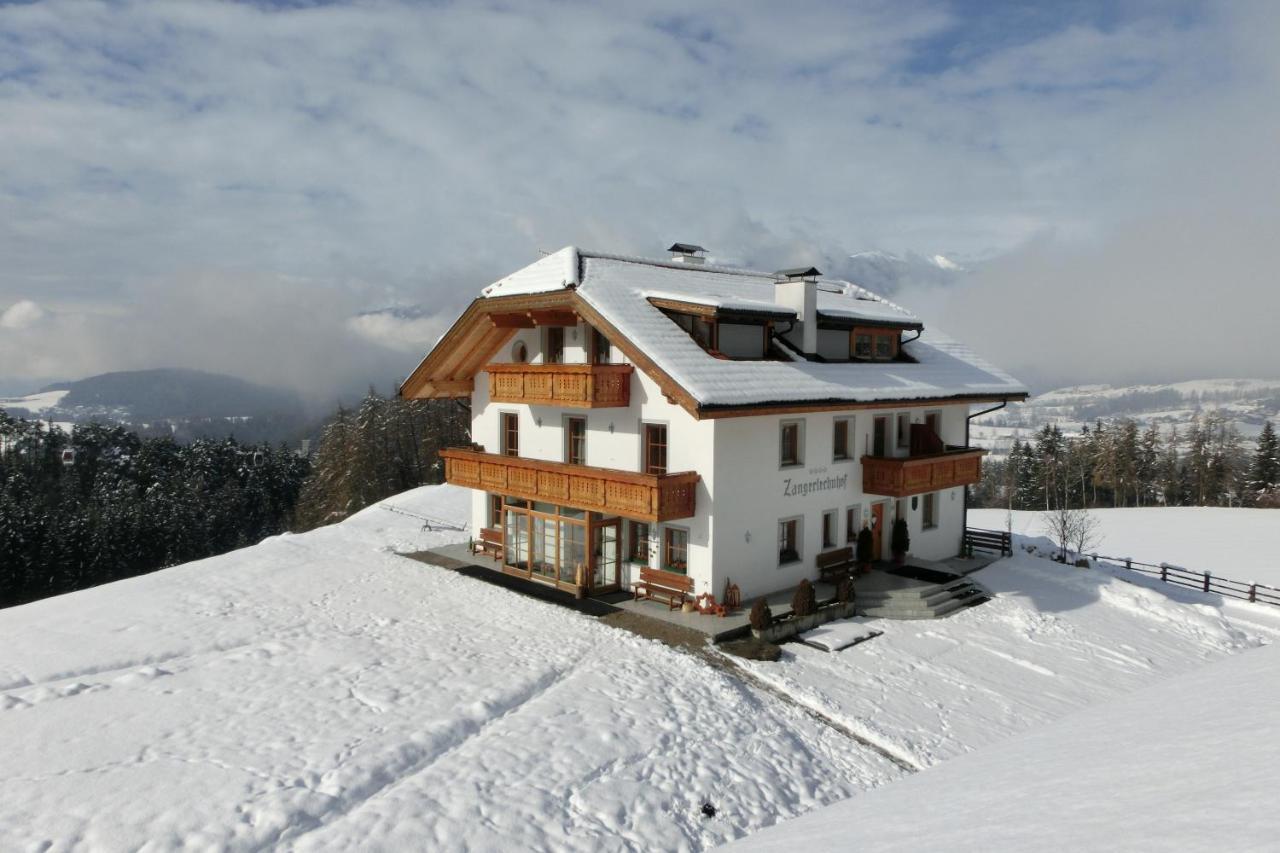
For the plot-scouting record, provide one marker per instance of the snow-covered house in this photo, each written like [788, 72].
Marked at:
[724, 424]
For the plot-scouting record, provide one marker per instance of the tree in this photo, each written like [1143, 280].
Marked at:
[1073, 529]
[1263, 482]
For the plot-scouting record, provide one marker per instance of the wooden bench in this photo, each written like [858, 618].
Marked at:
[663, 586]
[833, 566]
[490, 541]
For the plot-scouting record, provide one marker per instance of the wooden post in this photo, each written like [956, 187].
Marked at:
[1164, 573]
[1206, 581]
[1128, 563]
[1253, 592]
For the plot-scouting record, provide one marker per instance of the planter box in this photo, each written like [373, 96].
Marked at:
[784, 629]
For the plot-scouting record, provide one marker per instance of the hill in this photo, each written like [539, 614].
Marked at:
[1247, 403]
[184, 403]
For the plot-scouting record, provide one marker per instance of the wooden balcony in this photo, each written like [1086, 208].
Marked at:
[644, 497]
[915, 475]
[578, 386]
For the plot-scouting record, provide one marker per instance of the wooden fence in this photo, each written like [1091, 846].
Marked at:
[1202, 581]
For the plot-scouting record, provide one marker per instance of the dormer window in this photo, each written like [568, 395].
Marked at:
[873, 344]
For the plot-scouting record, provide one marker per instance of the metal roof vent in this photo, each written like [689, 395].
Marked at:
[687, 253]
[799, 273]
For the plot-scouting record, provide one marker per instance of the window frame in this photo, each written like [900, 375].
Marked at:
[929, 511]
[902, 436]
[634, 541]
[850, 438]
[852, 523]
[647, 445]
[796, 552]
[553, 345]
[669, 549]
[798, 461]
[509, 428]
[596, 344]
[880, 437]
[830, 528]
[569, 457]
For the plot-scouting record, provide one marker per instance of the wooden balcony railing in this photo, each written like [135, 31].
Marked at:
[579, 386]
[915, 475]
[644, 497]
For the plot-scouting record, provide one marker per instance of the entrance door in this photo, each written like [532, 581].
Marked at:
[877, 530]
[607, 555]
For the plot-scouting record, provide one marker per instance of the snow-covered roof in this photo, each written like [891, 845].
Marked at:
[620, 287]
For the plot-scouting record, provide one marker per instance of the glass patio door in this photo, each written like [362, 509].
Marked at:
[608, 553]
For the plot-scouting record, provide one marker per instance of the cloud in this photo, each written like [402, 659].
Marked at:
[22, 314]
[202, 180]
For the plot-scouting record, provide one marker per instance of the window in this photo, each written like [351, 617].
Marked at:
[862, 346]
[852, 524]
[788, 541]
[510, 434]
[495, 510]
[554, 345]
[575, 441]
[884, 347]
[600, 350]
[675, 550]
[638, 542]
[704, 333]
[879, 446]
[875, 344]
[519, 352]
[929, 516]
[933, 420]
[840, 444]
[830, 525]
[655, 449]
[904, 430]
[792, 443]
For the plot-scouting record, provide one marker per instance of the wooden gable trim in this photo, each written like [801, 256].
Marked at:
[472, 341]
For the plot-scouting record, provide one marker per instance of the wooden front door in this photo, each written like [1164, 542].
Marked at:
[877, 529]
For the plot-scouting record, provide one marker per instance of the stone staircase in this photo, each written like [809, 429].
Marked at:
[920, 600]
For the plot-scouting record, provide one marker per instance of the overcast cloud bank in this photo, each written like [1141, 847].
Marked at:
[226, 186]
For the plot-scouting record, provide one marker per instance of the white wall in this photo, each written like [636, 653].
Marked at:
[614, 440]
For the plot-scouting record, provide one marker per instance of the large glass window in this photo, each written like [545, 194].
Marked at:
[675, 551]
[573, 552]
[516, 538]
[655, 449]
[792, 443]
[575, 441]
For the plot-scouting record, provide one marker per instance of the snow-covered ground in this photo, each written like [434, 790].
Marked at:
[34, 403]
[1240, 544]
[1054, 639]
[320, 691]
[1188, 764]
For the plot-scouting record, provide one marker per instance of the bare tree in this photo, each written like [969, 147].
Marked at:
[1084, 533]
[1073, 529]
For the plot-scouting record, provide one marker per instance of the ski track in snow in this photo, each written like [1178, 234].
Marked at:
[316, 692]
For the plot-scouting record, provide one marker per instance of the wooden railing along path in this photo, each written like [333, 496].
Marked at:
[1202, 581]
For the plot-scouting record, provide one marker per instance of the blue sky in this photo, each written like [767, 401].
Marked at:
[225, 185]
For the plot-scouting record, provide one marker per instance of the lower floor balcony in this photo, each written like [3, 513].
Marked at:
[917, 475]
[643, 497]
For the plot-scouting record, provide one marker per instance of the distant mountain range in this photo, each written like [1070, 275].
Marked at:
[179, 402]
[1248, 403]
[886, 273]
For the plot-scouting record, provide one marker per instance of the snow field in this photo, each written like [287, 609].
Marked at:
[316, 692]
[1240, 544]
[1054, 639]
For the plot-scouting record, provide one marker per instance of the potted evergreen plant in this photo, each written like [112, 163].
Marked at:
[899, 541]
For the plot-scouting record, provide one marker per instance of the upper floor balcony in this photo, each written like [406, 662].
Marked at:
[903, 476]
[577, 386]
[644, 497]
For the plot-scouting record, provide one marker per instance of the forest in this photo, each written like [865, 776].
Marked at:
[1117, 464]
[102, 503]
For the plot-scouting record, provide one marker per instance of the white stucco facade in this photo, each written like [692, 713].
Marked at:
[744, 492]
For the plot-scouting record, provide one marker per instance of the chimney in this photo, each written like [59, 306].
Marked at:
[687, 253]
[797, 289]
